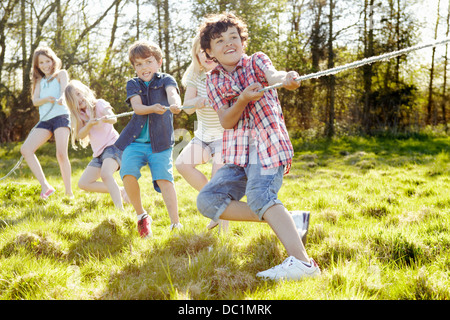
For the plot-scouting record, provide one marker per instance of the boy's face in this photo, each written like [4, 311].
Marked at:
[227, 49]
[146, 68]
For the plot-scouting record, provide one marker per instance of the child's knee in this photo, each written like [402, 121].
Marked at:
[82, 184]
[61, 155]
[25, 151]
[203, 203]
[209, 205]
[106, 175]
[182, 168]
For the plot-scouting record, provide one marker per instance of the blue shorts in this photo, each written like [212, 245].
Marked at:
[109, 152]
[136, 155]
[232, 182]
[55, 123]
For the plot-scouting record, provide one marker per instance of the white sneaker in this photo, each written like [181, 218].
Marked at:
[175, 226]
[301, 220]
[291, 269]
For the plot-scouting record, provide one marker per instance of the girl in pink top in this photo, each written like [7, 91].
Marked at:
[92, 124]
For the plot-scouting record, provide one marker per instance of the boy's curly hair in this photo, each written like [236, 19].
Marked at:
[143, 50]
[215, 24]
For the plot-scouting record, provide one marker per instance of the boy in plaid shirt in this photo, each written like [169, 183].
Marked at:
[256, 147]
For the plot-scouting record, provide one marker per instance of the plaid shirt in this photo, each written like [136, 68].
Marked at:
[261, 120]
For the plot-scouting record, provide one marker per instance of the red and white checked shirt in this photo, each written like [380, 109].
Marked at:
[261, 120]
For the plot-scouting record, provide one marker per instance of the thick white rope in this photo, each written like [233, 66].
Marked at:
[363, 62]
[125, 114]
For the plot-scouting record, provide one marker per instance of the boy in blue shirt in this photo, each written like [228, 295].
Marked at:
[148, 138]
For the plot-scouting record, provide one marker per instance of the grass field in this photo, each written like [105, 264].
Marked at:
[379, 229]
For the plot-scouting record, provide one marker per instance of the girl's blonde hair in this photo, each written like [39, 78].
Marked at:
[70, 94]
[36, 73]
[195, 68]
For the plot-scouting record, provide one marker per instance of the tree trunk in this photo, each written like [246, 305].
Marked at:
[329, 126]
[138, 21]
[430, 85]
[444, 89]
[367, 69]
[166, 36]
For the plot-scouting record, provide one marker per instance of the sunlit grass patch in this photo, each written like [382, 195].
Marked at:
[379, 229]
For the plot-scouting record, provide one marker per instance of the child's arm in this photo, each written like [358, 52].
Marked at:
[287, 78]
[107, 112]
[191, 99]
[174, 99]
[141, 109]
[230, 116]
[83, 132]
[63, 79]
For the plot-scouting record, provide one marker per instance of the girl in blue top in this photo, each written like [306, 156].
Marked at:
[48, 84]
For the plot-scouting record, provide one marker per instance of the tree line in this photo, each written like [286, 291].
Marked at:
[403, 94]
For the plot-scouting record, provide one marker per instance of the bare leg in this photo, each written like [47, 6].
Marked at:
[62, 154]
[108, 168]
[134, 193]
[170, 199]
[192, 156]
[34, 141]
[283, 225]
[89, 181]
[279, 220]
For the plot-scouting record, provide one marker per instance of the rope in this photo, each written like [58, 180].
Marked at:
[125, 114]
[362, 62]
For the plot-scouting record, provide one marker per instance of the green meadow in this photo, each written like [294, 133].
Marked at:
[379, 229]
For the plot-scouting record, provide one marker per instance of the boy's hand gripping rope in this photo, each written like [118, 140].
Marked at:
[319, 74]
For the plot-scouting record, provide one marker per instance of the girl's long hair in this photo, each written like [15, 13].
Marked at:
[195, 68]
[36, 73]
[77, 122]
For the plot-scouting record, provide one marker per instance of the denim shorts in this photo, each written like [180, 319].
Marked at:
[137, 155]
[109, 152]
[212, 147]
[232, 182]
[55, 123]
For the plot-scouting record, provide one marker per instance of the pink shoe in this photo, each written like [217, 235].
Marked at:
[47, 194]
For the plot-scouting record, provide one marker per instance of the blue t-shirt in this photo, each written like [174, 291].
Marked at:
[144, 136]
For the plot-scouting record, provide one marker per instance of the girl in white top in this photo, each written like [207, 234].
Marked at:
[207, 142]
[92, 124]
[48, 84]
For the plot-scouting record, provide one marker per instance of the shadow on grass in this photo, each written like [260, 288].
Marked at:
[191, 265]
[111, 237]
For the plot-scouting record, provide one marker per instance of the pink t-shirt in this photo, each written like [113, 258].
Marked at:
[102, 134]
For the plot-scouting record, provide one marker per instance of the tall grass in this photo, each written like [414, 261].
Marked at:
[379, 229]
